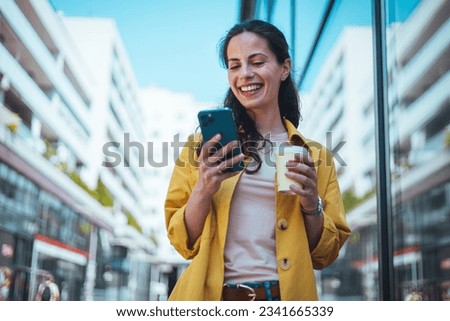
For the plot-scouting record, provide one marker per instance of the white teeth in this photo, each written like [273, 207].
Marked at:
[250, 88]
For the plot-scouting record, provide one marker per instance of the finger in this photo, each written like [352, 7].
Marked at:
[304, 158]
[307, 184]
[306, 187]
[299, 178]
[222, 154]
[306, 193]
[209, 148]
[213, 161]
[301, 168]
[225, 150]
[292, 163]
[210, 144]
[229, 163]
[228, 174]
[297, 189]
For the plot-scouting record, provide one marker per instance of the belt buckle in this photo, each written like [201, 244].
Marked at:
[251, 295]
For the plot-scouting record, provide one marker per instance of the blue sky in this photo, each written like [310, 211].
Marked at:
[173, 43]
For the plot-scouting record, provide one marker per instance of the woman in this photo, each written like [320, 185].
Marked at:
[48, 290]
[247, 241]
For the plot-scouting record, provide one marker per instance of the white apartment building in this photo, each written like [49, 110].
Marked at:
[173, 117]
[67, 89]
[120, 115]
[419, 71]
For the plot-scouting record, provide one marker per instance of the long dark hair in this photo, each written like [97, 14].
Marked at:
[288, 100]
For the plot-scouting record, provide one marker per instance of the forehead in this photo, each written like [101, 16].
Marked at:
[246, 44]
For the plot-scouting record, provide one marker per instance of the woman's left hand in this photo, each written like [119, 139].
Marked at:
[301, 169]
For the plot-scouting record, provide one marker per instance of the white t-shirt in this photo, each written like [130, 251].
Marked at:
[250, 249]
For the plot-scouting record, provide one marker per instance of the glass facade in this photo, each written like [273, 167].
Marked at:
[342, 79]
[28, 212]
[20, 196]
[418, 59]
[40, 234]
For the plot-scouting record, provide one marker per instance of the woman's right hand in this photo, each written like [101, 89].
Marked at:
[211, 173]
[212, 169]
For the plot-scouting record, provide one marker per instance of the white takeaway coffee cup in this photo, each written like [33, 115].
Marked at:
[284, 155]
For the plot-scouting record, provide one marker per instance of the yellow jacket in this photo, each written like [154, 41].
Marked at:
[203, 279]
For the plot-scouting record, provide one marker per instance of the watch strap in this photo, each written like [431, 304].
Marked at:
[317, 211]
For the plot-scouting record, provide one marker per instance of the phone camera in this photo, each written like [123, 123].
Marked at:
[204, 120]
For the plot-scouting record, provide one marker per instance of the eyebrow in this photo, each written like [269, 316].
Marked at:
[250, 57]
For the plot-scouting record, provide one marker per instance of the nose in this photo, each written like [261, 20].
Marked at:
[247, 72]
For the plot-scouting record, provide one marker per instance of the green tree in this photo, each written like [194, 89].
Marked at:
[351, 201]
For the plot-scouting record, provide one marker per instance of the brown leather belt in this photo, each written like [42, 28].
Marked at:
[242, 292]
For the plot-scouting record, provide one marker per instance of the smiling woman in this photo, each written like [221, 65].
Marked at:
[266, 56]
[254, 73]
[247, 241]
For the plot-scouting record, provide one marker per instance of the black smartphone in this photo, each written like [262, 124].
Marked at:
[221, 121]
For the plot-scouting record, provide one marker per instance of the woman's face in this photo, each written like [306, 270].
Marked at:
[254, 73]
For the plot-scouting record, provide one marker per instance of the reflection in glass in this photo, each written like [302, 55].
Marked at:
[337, 95]
[418, 51]
[339, 107]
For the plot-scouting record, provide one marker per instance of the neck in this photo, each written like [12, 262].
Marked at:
[269, 122]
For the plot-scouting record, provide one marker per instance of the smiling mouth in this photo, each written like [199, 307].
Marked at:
[250, 88]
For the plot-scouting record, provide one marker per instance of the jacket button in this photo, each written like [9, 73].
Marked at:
[285, 264]
[282, 224]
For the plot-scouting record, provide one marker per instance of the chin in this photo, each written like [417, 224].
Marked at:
[249, 106]
[249, 103]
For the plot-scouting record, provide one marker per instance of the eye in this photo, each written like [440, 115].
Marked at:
[233, 67]
[258, 63]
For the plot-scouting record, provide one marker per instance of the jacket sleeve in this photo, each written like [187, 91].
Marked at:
[335, 228]
[179, 191]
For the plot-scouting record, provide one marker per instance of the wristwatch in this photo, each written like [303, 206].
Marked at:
[318, 211]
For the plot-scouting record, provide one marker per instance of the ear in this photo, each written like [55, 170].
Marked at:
[286, 69]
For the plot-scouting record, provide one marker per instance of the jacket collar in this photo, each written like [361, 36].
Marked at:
[294, 135]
